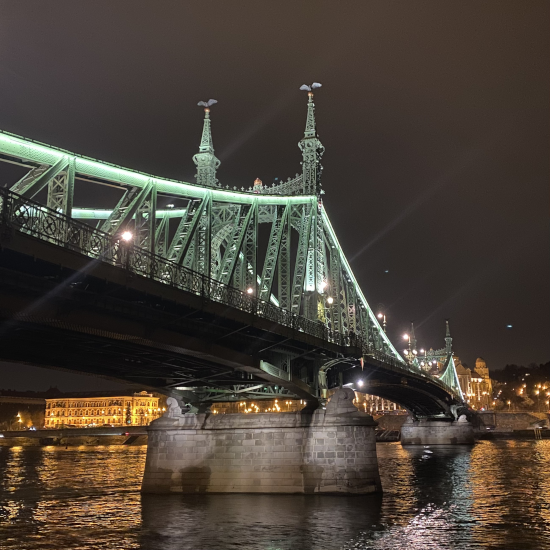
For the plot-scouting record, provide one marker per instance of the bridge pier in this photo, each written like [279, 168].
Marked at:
[330, 451]
[437, 432]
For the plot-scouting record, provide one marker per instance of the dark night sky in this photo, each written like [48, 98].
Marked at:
[434, 116]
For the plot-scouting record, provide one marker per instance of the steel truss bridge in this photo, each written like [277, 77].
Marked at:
[223, 294]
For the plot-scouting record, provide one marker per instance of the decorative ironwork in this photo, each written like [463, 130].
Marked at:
[293, 186]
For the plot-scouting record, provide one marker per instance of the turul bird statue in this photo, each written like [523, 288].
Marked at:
[307, 88]
[207, 103]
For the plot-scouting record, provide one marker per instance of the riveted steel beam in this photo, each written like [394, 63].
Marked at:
[61, 189]
[335, 288]
[203, 241]
[283, 265]
[273, 250]
[145, 224]
[235, 244]
[250, 251]
[181, 242]
[39, 177]
[301, 259]
[162, 236]
[126, 208]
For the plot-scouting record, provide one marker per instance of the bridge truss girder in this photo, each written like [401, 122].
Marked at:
[218, 234]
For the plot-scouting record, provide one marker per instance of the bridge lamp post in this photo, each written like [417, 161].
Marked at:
[126, 238]
[382, 317]
[407, 351]
[410, 354]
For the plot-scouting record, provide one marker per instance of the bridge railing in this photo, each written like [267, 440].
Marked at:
[32, 218]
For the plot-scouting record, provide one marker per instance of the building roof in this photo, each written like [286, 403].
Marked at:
[97, 394]
[461, 369]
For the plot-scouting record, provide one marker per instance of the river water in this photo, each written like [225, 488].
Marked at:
[495, 495]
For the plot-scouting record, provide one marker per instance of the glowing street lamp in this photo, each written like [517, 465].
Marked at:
[382, 317]
[249, 290]
[127, 236]
[410, 353]
[330, 300]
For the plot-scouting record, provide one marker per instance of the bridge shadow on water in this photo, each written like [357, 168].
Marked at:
[267, 522]
[419, 484]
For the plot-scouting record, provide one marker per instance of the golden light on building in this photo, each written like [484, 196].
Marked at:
[262, 406]
[138, 409]
[367, 403]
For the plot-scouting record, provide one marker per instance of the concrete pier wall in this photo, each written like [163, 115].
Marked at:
[326, 451]
[131, 435]
[504, 421]
[437, 432]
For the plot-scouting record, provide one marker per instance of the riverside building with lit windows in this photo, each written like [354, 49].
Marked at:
[138, 409]
[368, 403]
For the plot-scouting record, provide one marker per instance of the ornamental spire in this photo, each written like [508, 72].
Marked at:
[448, 339]
[311, 147]
[413, 337]
[206, 161]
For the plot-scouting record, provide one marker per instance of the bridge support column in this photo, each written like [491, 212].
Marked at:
[437, 432]
[325, 451]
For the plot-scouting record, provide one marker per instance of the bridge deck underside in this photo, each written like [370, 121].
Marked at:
[414, 391]
[60, 309]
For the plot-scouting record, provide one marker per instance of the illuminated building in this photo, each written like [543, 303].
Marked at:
[368, 403]
[476, 384]
[138, 409]
[373, 404]
[258, 406]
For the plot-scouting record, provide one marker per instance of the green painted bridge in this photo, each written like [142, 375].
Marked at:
[222, 294]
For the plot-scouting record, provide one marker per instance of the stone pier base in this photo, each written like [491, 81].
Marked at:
[326, 451]
[436, 432]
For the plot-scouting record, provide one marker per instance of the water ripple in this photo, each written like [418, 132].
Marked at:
[495, 495]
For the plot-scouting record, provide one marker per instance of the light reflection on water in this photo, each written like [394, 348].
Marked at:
[495, 495]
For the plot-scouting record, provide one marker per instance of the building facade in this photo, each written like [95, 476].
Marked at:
[138, 409]
[375, 405]
[476, 384]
